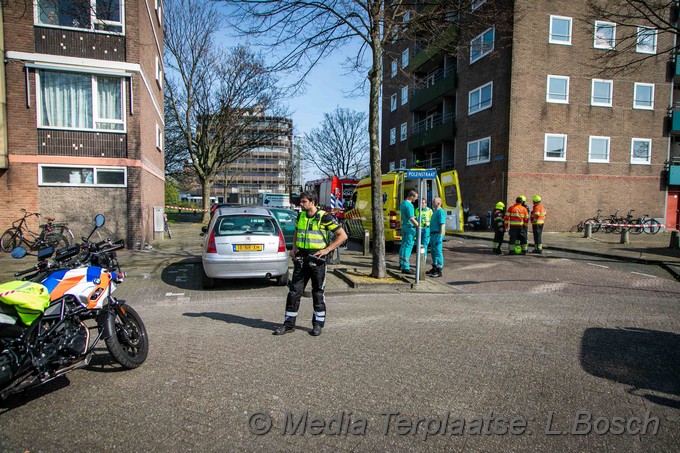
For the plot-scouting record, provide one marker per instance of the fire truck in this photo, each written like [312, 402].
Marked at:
[333, 192]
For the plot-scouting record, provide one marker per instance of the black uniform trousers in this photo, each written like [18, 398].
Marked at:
[538, 236]
[307, 267]
[498, 239]
[517, 234]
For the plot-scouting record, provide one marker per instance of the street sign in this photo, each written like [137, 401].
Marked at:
[421, 174]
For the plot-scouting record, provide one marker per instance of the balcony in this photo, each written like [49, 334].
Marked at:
[429, 51]
[675, 122]
[434, 129]
[676, 72]
[441, 83]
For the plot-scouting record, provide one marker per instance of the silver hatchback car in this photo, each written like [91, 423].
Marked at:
[244, 243]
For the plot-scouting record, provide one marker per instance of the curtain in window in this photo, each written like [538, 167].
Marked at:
[66, 99]
[109, 103]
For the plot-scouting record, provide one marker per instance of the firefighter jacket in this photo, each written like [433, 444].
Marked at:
[427, 217]
[516, 215]
[312, 233]
[498, 219]
[538, 214]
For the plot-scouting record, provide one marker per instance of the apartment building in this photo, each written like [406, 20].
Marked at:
[524, 108]
[84, 109]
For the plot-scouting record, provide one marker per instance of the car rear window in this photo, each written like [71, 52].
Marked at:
[244, 224]
[286, 218]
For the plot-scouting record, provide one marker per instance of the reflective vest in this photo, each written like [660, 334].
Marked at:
[427, 217]
[538, 214]
[498, 219]
[516, 215]
[309, 234]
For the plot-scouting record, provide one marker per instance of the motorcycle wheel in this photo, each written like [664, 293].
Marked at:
[9, 240]
[130, 344]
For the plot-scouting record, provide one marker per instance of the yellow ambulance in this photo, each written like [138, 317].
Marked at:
[395, 185]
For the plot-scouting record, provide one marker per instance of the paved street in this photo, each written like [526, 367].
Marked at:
[538, 345]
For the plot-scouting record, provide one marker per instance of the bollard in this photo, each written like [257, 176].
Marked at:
[367, 243]
[625, 238]
[588, 231]
[422, 257]
[675, 240]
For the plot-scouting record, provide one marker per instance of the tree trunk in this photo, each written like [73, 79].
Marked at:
[206, 184]
[375, 77]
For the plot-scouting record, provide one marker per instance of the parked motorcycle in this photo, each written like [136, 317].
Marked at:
[51, 322]
[472, 221]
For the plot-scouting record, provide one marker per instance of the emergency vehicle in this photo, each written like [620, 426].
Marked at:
[333, 192]
[395, 185]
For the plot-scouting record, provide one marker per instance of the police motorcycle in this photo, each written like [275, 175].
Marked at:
[52, 320]
[472, 221]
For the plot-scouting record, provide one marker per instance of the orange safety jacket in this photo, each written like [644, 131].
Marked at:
[538, 214]
[516, 215]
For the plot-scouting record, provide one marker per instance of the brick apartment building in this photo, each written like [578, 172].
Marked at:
[524, 110]
[84, 108]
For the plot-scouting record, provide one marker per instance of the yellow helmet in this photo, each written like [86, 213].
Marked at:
[537, 198]
[500, 205]
[523, 198]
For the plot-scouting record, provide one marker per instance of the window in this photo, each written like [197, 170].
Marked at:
[560, 30]
[159, 137]
[641, 151]
[602, 93]
[55, 175]
[394, 68]
[646, 40]
[605, 35]
[404, 132]
[404, 95]
[407, 16]
[159, 73]
[478, 151]
[598, 150]
[476, 4]
[481, 45]
[480, 98]
[402, 163]
[392, 166]
[97, 15]
[159, 11]
[404, 58]
[393, 102]
[393, 136]
[555, 147]
[643, 96]
[558, 89]
[69, 100]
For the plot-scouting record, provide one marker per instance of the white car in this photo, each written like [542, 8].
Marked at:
[243, 243]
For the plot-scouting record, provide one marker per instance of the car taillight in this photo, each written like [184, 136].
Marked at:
[212, 248]
[394, 223]
[282, 242]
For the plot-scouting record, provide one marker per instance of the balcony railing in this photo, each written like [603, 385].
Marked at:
[431, 130]
[441, 83]
[423, 52]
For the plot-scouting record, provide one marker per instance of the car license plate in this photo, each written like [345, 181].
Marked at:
[248, 247]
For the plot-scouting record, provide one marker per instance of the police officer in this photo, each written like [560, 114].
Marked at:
[537, 221]
[310, 249]
[409, 223]
[517, 224]
[498, 224]
[425, 225]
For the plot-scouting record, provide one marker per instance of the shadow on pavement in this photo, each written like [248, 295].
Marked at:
[28, 395]
[234, 319]
[184, 274]
[663, 251]
[642, 358]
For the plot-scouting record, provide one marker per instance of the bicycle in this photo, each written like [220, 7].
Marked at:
[20, 233]
[649, 225]
[594, 222]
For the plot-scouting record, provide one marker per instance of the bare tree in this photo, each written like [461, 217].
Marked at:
[648, 24]
[216, 99]
[340, 146]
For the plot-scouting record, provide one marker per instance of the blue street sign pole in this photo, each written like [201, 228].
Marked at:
[421, 175]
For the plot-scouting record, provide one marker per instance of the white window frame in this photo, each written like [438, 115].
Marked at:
[548, 94]
[637, 161]
[611, 93]
[476, 4]
[393, 136]
[552, 40]
[402, 163]
[404, 95]
[95, 110]
[392, 166]
[545, 148]
[483, 50]
[404, 58]
[477, 142]
[393, 102]
[610, 45]
[590, 149]
[403, 133]
[472, 109]
[638, 34]
[636, 106]
[393, 71]
[95, 171]
[159, 137]
[159, 72]
[159, 11]
[93, 20]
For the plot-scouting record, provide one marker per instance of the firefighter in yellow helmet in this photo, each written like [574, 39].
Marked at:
[537, 220]
[498, 224]
[517, 224]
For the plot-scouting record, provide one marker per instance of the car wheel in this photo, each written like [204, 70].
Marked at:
[282, 280]
[206, 282]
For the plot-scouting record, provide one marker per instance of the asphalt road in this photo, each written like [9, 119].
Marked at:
[551, 352]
